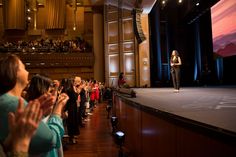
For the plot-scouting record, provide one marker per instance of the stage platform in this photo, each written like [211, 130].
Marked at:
[212, 107]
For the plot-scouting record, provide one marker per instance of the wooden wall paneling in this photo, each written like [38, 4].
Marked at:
[133, 130]
[121, 30]
[40, 20]
[112, 16]
[57, 59]
[220, 148]
[195, 144]
[111, 8]
[14, 14]
[113, 48]
[58, 65]
[130, 79]
[69, 17]
[60, 73]
[123, 116]
[119, 38]
[114, 104]
[128, 46]
[80, 20]
[129, 68]
[88, 26]
[113, 65]
[55, 33]
[189, 143]
[106, 54]
[118, 112]
[113, 62]
[113, 32]
[127, 37]
[128, 34]
[158, 136]
[126, 14]
[1, 21]
[129, 64]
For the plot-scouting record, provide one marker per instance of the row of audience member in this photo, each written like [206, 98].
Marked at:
[37, 127]
[48, 45]
[47, 139]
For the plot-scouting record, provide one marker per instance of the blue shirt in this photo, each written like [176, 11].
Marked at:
[47, 138]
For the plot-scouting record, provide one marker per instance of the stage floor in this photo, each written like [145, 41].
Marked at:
[214, 106]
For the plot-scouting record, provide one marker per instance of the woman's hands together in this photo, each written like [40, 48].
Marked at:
[22, 125]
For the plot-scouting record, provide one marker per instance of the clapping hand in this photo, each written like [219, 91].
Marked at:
[60, 104]
[47, 101]
[22, 125]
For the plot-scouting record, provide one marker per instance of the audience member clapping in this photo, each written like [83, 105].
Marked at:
[22, 126]
[13, 80]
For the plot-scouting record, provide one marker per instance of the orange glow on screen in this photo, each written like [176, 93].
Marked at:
[224, 27]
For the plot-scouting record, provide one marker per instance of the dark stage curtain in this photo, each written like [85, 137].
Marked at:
[197, 65]
[156, 62]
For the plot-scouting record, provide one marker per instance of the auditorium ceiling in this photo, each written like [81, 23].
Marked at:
[78, 2]
[146, 5]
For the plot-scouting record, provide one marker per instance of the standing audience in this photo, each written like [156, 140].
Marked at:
[71, 108]
[36, 128]
[13, 80]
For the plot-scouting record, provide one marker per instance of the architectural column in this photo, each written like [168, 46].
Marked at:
[98, 42]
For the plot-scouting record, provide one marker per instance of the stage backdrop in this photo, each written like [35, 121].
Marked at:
[224, 27]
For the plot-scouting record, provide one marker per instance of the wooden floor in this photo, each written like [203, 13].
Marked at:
[95, 139]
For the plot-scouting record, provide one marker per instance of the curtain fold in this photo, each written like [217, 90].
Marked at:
[55, 14]
[14, 14]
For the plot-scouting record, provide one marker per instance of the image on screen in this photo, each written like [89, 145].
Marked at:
[223, 16]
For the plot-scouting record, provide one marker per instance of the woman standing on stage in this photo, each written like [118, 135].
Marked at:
[175, 63]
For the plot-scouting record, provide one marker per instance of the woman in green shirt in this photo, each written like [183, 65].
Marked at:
[13, 80]
[22, 126]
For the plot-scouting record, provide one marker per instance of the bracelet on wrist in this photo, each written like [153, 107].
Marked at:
[56, 114]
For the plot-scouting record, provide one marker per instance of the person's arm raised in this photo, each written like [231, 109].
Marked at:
[60, 104]
[47, 101]
[22, 126]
